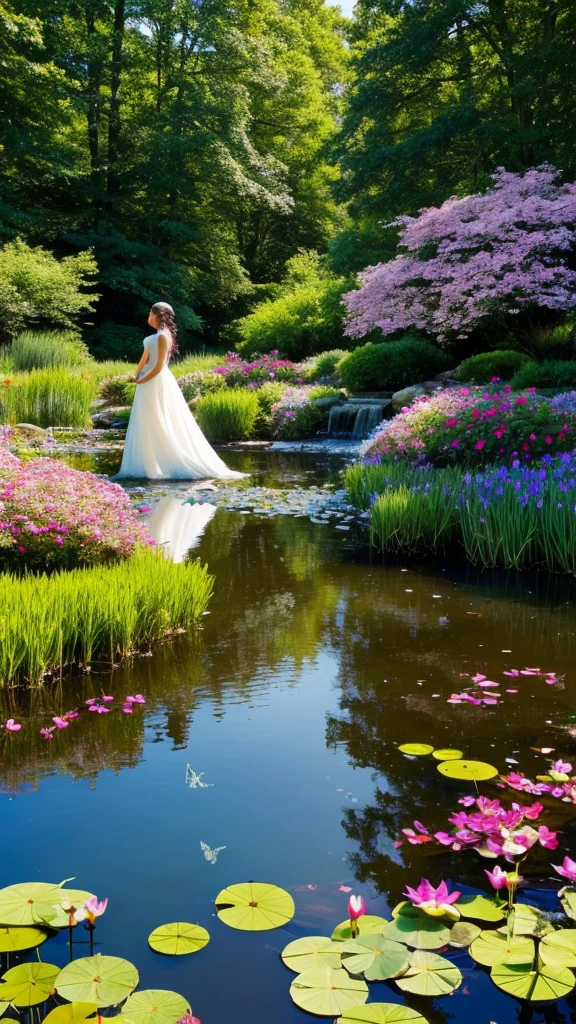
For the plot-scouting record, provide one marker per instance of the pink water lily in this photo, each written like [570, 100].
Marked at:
[356, 907]
[435, 902]
[567, 869]
[12, 726]
[95, 908]
[498, 878]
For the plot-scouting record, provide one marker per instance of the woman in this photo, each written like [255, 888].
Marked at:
[163, 441]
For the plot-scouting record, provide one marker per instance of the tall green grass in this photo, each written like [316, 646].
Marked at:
[37, 350]
[228, 415]
[110, 368]
[49, 398]
[50, 622]
[194, 362]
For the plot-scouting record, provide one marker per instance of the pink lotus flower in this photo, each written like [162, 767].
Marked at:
[567, 869]
[95, 908]
[547, 839]
[498, 878]
[12, 726]
[435, 902]
[189, 1019]
[356, 907]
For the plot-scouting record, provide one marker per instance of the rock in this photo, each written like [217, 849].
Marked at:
[449, 376]
[327, 403]
[407, 396]
[98, 403]
[30, 430]
[107, 417]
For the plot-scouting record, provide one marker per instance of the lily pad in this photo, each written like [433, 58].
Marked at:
[370, 924]
[12, 940]
[416, 749]
[430, 975]
[327, 992]
[374, 956]
[520, 981]
[493, 948]
[311, 951]
[382, 1013]
[155, 1006]
[479, 908]
[559, 948]
[254, 906]
[3, 1008]
[529, 921]
[178, 938]
[76, 898]
[28, 984]
[71, 1013]
[415, 928]
[463, 933]
[568, 901]
[447, 754]
[104, 980]
[469, 771]
[29, 903]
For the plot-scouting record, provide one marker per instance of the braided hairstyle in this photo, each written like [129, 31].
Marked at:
[166, 316]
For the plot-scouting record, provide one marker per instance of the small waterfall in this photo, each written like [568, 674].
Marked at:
[356, 418]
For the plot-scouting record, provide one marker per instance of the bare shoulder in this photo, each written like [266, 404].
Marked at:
[164, 338]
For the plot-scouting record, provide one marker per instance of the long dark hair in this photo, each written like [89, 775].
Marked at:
[166, 316]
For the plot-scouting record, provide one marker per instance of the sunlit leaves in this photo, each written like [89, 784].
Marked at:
[430, 975]
[468, 771]
[375, 956]
[492, 948]
[327, 992]
[28, 984]
[178, 938]
[369, 924]
[104, 980]
[311, 951]
[523, 982]
[154, 1006]
[254, 906]
[417, 929]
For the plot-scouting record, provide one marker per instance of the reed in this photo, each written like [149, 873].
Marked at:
[51, 622]
[38, 350]
[228, 415]
[53, 397]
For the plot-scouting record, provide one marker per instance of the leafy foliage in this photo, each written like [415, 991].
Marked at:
[482, 369]
[391, 365]
[553, 374]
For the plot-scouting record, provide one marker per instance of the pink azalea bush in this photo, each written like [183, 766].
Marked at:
[478, 426]
[52, 516]
[486, 255]
[238, 372]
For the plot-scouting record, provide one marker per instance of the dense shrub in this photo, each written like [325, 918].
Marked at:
[553, 373]
[228, 415]
[49, 398]
[117, 390]
[477, 427]
[301, 323]
[56, 517]
[485, 367]
[324, 365]
[36, 350]
[391, 365]
[200, 382]
[296, 416]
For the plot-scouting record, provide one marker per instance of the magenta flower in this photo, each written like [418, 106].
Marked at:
[189, 1019]
[567, 869]
[47, 733]
[60, 723]
[435, 902]
[107, 699]
[498, 878]
[95, 908]
[99, 709]
[547, 839]
[479, 445]
[137, 699]
[12, 726]
[561, 767]
[356, 907]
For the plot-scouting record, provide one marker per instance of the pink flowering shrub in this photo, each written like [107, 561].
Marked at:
[238, 372]
[491, 254]
[295, 416]
[476, 426]
[52, 516]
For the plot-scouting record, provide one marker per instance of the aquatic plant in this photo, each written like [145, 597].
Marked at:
[50, 622]
[53, 397]
[356, 910]
[437, 902]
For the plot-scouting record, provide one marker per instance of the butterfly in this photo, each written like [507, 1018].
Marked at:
[194, 779]
[211, 855]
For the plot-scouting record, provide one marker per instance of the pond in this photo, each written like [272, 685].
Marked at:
[312, 666]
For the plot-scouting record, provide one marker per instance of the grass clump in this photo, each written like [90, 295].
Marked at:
[553, 374]
[323, 365]
[49, 398]
[50, 622]
[194, 362]
[391, 365]
[228, 415]
[483, 368]
[38, 350]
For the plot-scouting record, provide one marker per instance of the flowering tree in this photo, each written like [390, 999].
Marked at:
[487, 254]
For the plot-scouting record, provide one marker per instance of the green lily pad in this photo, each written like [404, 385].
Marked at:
[447, 754]
[568, 901]
[480, 908]
[493, 948]
[463, 933]
[71, 1013]
[370, 924]
[13, 940]
[29, 903]
[469, 771]
[311, 951]
[155, 1006]
[520, 981]
[254, 906]
[416, 749]
[529, 921]
[374, 956]
[104, 980]
[28, 984]
[178, 938]
[327, 992]
[415, 928]
[430, 975]
[382, 1013]
[559, 948]
[3, 1008]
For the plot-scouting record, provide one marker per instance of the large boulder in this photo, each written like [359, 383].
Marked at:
[405, 397]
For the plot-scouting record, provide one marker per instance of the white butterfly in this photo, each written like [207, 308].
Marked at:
[211, 855]
[194, 779]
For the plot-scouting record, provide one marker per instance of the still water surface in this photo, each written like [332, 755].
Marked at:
[311, 667]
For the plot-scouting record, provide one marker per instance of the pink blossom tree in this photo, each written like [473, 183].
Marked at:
[487, 255]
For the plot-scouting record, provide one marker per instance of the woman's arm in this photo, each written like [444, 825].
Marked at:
[143, 360]
[162, 357]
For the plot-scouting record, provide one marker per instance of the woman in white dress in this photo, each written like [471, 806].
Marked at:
[163, 441]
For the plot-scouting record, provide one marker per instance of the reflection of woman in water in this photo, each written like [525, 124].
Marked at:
[177, 527]
[163, 441]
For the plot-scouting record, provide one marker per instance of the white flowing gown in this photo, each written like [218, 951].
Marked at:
[163, 440]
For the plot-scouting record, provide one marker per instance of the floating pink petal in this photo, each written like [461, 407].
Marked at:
[347, 888]
[107, 699]
[512, 672]
[511, 691]
[13, 726]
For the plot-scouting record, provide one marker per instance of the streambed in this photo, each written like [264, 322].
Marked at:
[310, 669]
